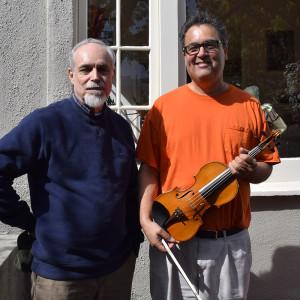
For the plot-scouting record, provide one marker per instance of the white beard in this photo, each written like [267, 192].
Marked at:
[94, 100]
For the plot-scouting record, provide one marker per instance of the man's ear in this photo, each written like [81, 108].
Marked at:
[71, 75]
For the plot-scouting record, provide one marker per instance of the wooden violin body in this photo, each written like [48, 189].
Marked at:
[179, 211]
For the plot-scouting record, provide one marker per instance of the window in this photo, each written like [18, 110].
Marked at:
[264, 52]
[129, 27]
[144, 35]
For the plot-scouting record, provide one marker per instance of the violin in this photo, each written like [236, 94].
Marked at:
[179, 211]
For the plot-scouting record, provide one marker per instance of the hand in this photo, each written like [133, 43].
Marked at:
[243, 165]
[155, 234]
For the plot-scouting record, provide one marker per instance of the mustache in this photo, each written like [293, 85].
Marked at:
[208, 60]
[95, 85]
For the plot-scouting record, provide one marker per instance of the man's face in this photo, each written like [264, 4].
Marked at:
[205, 66]
[92, 76]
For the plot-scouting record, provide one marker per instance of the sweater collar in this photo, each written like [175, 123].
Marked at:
[86, 109]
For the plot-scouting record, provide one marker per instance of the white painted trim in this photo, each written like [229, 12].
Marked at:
[172, 65]
[154, 58]
[276, 189]
[82, 20]
[169, 46]
[181, 62]
[284, 180]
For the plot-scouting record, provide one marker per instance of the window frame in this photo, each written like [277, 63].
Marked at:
[167, 72]
[152, 48]
[285, 178]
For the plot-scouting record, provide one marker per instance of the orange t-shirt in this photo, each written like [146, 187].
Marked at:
[184, 130]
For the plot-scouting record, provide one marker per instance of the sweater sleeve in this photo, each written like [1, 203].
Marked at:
[18, 155]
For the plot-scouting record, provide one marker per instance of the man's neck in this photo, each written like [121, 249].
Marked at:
[208, 89]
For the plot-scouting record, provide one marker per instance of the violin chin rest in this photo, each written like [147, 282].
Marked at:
[160, 214]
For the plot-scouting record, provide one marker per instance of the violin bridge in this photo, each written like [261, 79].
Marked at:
[177, 216]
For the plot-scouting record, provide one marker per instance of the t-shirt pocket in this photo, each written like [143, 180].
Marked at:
[237, 136]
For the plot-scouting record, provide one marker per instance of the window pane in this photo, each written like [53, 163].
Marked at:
[102, 20]
[135, 77]
[136, 119]
[135, 23]
[264, 52]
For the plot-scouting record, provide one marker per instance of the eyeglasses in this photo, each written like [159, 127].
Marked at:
[194, 48]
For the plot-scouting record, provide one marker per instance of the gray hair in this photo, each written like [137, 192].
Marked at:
[110, 52]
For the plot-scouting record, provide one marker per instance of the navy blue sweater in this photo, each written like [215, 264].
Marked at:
[83, 187]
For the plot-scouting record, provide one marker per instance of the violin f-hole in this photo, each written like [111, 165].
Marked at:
[184, 195]
[198, 212]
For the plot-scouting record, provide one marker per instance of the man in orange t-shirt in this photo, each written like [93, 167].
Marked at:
[205, 120]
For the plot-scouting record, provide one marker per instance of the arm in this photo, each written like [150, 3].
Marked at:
[248, 168]
[148, 189]
[132, 211]
[16, 157]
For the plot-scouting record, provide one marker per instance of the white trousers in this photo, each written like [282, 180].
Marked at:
[219, 269]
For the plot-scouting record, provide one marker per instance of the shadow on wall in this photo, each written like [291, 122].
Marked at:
[276, 203]
[283, 280]
[275, 235]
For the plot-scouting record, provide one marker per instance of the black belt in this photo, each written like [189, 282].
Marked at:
[208, 234]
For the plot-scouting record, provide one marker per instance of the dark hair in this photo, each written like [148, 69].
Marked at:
[200, 18]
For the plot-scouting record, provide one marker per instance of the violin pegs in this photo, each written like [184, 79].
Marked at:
[277, 144]
[271, 148]
[257, 138]
[264, 133]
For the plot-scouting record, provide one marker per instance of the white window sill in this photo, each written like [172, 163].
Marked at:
[284, 180]
[276, 189]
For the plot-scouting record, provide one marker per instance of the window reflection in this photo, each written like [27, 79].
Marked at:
[264, 51]
[135, 23]
[135, 77]
[136, 119]
[280, 49]
[102, 20]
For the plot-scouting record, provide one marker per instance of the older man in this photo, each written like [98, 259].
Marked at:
[80, 160]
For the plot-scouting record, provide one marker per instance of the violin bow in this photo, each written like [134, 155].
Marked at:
[180, 269]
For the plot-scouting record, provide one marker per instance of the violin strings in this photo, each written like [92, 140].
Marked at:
[255, 151]
[198, 198]
[208, 190]
[195, 201]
